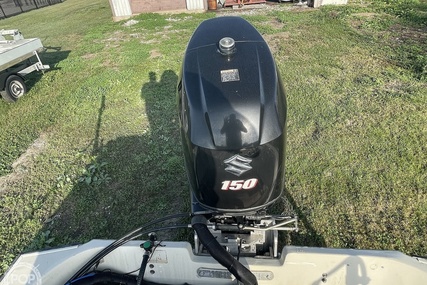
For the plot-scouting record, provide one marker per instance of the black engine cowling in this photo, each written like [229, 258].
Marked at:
[233, 117]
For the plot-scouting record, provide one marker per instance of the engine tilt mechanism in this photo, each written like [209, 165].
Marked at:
[248, 236]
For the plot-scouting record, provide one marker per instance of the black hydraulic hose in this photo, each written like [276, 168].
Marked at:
[219, 253]
[143, 267]
[103, 277]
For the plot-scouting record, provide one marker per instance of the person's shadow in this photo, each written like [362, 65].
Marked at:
[132, 179]
[232, 129]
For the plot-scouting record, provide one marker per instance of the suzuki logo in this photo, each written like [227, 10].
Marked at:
[238, 165]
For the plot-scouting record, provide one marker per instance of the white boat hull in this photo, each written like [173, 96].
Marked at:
[175, 263]
[14, 52]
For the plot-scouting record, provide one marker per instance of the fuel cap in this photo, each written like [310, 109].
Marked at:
[227, 45]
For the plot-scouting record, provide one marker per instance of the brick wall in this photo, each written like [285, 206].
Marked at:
[144, 6]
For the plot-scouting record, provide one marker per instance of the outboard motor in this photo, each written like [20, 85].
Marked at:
[232, 111]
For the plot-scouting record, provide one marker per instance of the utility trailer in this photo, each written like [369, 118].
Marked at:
[18, 58]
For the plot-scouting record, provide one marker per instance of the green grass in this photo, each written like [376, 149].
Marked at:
[111, 160]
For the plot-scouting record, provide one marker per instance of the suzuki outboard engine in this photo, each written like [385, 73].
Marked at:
[232, 111]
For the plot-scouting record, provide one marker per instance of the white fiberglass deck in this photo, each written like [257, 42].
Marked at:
[174, 263]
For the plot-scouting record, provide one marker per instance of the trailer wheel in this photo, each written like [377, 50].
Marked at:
[14, 88]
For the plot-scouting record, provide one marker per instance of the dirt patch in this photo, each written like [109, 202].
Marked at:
[408, 33]
[366, 14]
[396, 32]
[276, 24]
[152, 41]
[117, 38]
[22, 165]
[357, 20]
[155, 53]
[89, 56]
[275, 41]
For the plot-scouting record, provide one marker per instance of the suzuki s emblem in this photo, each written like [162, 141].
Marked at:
[238, 165]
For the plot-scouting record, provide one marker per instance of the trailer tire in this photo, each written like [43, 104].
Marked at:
[14, 88]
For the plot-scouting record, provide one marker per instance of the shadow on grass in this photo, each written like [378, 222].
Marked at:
[130, 181]
[308, 236]
[52, 57]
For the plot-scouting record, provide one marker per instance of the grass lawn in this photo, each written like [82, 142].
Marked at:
[93, 150]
